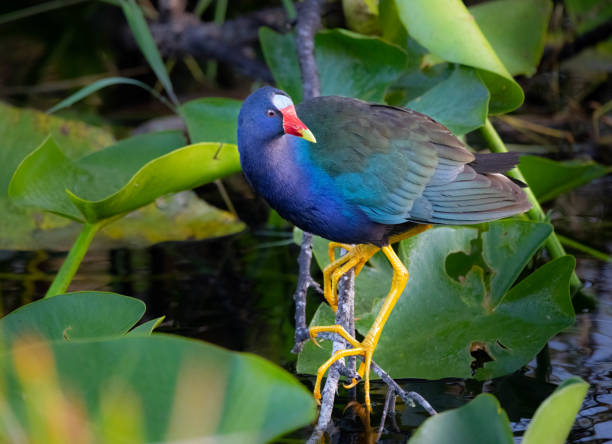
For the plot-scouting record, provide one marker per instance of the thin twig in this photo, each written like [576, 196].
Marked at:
[304, 282]
[408, 397]
[346, 292]
[389, 400]
[308, 23]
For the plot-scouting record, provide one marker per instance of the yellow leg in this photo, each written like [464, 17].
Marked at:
[357, 257]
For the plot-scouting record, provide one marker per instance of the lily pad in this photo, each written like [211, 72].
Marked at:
[553, 420]
[425, 18]
[516, 29]
[548, 178]
[87, 191]
[483, 418]
[349, 64]
[78, 315]
[67, 367]
[178, 389]
[456, 317]
[461, 102]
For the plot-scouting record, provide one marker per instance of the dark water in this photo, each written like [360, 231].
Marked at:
[236, 292]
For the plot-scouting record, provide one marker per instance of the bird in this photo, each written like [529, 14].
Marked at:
[365, 176]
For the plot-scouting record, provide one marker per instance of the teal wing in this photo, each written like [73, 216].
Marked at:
[395, 164]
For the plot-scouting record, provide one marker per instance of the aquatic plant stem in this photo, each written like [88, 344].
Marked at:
[553, 244]
[73, 260]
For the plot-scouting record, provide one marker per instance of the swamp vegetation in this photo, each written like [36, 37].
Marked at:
[137, 267]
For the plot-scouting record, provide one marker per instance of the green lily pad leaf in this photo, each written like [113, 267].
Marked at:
[212, 119]
[460, 102]
[147, 328]
[553, 420]
[177, 389]
[139, 178]
[456, 311]
[69, 316]
[483, 417]
[548, 178]
[424, 20]
[350, 64]
[516, 29]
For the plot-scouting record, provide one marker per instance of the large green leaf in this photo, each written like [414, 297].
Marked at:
[548, 178]
[176, 218]
[68, 354]
[212, 119]
[456, 308]
[461, 102]
[70, 316]
[178, 389]
[119, 179]
[482, 418]
[349, 64]
[516, 29]
[431, 22]
[553, 420]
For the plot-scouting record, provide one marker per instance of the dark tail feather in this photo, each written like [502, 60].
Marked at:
[496, 163]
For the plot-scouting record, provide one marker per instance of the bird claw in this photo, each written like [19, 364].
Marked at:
[313, 338]
[352, 384]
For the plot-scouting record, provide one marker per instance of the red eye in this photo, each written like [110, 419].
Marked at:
[270, 113]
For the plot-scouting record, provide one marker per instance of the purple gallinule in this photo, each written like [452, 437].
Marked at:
[364, 176]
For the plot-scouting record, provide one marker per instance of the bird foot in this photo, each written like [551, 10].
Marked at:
[364, 348]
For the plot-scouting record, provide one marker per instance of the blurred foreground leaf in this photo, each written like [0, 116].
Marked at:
[553, 420]
[483, 417]
[175, 388]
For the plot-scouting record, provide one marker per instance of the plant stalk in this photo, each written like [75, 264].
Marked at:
[553, 244]
[73, 260]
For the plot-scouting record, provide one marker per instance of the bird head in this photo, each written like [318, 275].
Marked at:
[270, 112]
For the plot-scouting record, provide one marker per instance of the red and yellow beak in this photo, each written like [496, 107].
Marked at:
[294, 126]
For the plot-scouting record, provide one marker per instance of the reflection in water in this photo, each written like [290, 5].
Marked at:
[236, 292]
